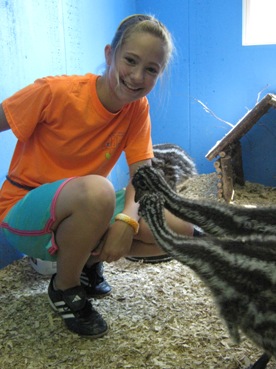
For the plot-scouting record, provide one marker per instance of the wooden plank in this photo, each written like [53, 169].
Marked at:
[243, 125]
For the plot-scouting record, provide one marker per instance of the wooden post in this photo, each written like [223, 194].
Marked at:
[237, 163]
[227, 177]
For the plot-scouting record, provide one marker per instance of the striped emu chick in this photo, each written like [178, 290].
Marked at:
[173, 163]
[215, 218]
[240, 273]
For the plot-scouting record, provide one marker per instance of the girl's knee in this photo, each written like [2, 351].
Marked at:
[98, 192]
[89, 194]
[97, 188]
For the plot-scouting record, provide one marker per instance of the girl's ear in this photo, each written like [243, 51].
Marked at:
[108, 54]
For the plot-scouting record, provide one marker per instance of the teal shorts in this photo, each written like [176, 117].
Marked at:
[27, 226]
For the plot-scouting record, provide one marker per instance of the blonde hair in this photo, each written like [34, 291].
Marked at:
[143, 23]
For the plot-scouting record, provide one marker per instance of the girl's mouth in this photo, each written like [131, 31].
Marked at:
[129, 87]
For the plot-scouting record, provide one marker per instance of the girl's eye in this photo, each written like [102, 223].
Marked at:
[152, 70]
[130, 60]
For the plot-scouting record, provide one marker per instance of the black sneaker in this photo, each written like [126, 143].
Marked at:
[93, 281]
[78, 314]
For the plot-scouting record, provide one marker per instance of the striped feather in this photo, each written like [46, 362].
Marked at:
[236, 259]
[215, 218]
[241, 277]
[174, 164]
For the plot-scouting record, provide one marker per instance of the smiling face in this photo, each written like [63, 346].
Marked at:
[133, 71]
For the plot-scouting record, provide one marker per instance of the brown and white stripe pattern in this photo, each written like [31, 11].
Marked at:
[173, 162]
[215, 218]
[236, 260]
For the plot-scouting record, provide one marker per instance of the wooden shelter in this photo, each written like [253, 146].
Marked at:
[229, 166]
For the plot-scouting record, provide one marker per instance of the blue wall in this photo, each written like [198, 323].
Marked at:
[40, 37]
[212, 66]
[55, 37]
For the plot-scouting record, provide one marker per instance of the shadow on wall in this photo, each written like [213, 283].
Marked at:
[8, 254]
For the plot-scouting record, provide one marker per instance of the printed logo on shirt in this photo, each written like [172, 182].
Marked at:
[112, 144]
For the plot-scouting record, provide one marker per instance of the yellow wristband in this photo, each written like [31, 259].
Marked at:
[132, 222]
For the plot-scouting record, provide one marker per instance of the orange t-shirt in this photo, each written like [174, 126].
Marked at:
[63, 130]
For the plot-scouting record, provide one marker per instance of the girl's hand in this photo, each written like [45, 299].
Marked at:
[116, 243]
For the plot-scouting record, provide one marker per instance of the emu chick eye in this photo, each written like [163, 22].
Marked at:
[142, 184]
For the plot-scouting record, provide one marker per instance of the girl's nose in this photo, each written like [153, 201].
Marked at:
[138, 75]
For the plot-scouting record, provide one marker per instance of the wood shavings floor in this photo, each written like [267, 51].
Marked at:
[161, 316]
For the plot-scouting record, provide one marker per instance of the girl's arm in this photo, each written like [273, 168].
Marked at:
[118, 239]
[131, 208]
